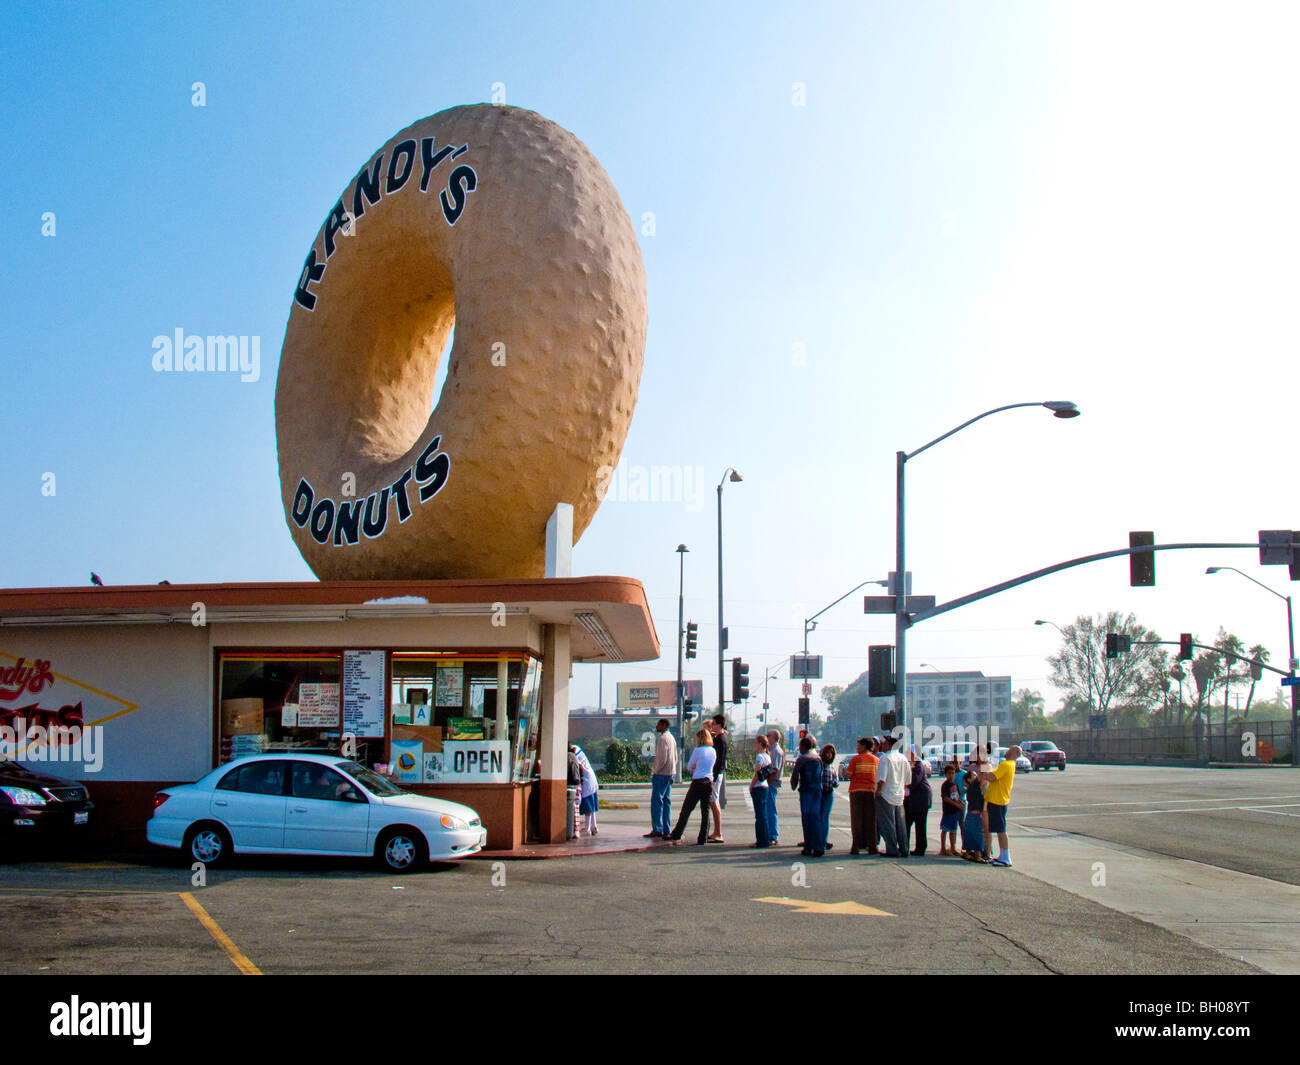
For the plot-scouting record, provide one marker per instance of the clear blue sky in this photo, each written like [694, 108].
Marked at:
[970, 205]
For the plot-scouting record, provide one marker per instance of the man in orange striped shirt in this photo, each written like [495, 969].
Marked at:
[862, 797]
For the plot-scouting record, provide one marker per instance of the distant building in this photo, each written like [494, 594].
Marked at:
[587, 725]
[963, 698]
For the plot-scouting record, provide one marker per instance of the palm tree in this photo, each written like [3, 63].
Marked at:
[1232, 649]
[1178, 674]
[1258, 654]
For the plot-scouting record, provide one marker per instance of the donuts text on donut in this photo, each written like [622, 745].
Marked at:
[350, 519]
[368, 188]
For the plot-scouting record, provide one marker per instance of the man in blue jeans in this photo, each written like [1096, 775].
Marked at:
[807, 778]
[661, 782]
[774, 781]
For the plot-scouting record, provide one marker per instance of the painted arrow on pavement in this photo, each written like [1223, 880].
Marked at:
[852, 909]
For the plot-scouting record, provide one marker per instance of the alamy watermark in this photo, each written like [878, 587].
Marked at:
[949, 736]
[653, 484]
[179, 353]
[22, 742]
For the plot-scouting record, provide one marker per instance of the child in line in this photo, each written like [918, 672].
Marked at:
[759, 791]
[975, 815]
[959, 778]
[953, 811]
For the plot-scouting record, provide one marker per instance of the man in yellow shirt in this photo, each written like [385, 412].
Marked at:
[997, 797]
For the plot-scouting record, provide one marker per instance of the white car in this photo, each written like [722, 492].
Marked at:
[310, 804]
[1023, 765]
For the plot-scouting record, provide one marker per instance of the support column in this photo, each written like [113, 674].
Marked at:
[502, 731]
[553, 813]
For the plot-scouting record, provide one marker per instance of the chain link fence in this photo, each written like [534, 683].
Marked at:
[1192, 743]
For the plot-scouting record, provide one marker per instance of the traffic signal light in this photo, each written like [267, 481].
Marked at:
[804, 708]
[880, 670]
[1141, 564]
[1185, 647]
[888, 721]
[1279, 547]
[692, 638]
[1117, 644]
[739, 681]
[686, 707]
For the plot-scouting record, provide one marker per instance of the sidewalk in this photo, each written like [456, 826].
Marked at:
[610, 839]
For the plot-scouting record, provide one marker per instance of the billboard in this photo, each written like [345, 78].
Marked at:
[654, 694]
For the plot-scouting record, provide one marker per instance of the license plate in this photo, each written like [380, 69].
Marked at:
[482, 837]
[80, 817]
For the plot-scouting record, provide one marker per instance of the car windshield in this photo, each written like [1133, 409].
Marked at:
[369, 779]
[1044, 746]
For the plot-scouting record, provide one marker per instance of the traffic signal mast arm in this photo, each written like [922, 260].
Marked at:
[965, 600]
[1215, 650]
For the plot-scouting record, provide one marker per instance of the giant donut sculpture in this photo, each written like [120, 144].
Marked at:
[499, 222]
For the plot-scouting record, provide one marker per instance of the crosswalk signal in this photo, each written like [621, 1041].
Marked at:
[1117, 644]
[1185, 647]
[692, 638]
[1141, 564]
[739, 681]
[888, 721]
[880, 670]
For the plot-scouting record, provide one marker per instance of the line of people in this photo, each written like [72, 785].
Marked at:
[889, 795]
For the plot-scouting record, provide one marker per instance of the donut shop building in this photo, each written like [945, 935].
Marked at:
[404, 675]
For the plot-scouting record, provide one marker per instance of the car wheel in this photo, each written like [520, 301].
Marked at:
[400, 850]
[208, 843]
[1061, 767]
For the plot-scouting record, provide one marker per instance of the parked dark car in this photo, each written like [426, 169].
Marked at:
[37, 808]
[1043, 754]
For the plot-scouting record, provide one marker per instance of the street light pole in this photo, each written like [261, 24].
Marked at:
[1059, 409]
[1291, 659]
[810, 624]
[682, 551]
[727, 474]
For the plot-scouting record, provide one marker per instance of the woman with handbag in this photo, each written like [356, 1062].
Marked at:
[701, 789]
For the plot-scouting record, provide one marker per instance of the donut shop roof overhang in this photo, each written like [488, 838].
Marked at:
[609, 617]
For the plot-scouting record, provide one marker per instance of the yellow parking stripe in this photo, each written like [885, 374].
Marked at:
[224, 941]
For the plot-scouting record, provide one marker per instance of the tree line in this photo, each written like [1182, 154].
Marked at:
[1149, 685]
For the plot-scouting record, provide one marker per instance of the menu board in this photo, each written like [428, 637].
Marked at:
[450, 690]
[318, 706]
[363, 693]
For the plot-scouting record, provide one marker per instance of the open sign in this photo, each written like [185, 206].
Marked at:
[474, 762]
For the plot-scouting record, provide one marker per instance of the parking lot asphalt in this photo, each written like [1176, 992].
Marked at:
[691, 909]
[682, 909]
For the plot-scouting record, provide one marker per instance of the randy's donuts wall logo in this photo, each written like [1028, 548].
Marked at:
[500, 224]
